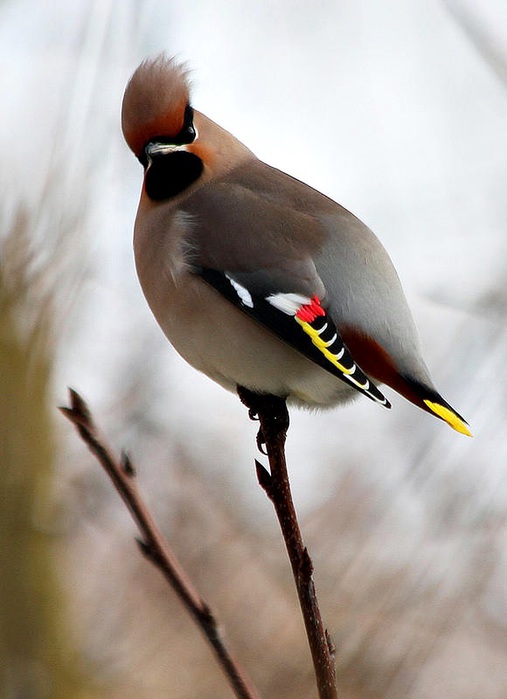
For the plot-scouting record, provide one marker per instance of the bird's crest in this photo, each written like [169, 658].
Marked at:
[154, 102]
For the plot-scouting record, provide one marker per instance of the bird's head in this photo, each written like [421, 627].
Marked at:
[158, 125]
[156, 107]
[177, 146]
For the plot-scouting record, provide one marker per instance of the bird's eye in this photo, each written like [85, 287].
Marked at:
[143, 158]
[188, 133]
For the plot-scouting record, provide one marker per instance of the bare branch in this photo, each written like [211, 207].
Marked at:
[274, 423]
[152, 544]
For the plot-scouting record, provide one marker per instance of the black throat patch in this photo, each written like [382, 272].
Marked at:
[171, 173]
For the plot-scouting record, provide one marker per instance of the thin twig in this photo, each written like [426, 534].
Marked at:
[274, 423]
[153, 545]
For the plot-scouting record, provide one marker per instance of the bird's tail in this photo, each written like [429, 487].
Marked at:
[431, 401]
[439, 407]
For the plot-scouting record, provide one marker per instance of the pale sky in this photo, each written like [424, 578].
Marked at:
[391, 109]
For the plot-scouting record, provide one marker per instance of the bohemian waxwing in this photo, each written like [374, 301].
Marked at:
[257, 279]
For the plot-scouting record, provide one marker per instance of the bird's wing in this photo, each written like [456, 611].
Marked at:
[256, 250]
[302, 322]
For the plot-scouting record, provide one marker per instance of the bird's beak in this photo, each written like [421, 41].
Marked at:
[156, 148]
[153, 149]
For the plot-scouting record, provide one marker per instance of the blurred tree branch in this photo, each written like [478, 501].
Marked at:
[483, 35]
[153, 545]
[35, 652]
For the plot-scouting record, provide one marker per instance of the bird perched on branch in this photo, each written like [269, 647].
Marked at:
[257, 279]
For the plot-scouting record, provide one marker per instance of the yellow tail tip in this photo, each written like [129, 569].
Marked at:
[450, 417]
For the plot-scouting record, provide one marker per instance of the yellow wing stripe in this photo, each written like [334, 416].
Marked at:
[322, 346]
[449, 416]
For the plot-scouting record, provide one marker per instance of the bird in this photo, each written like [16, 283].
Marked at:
[258, 280]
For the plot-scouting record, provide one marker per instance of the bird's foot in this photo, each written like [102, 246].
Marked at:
[272, 413]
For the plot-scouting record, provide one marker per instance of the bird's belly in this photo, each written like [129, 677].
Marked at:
[232, 349]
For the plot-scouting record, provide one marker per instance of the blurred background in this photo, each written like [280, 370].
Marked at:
[398, 111]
